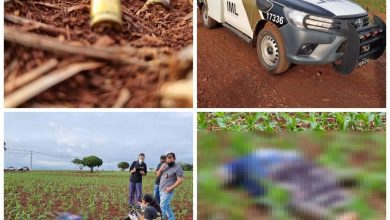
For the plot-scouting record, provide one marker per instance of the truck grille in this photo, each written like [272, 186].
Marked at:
[363, 22]
[371, 36]
[359, 22]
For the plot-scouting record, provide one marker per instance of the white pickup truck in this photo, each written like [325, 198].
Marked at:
[287, 32]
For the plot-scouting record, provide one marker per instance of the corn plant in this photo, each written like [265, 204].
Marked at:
[271, 122]
[103, 195]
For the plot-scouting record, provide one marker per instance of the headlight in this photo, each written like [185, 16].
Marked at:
[320, 23]
[301, 19]
[295, 17]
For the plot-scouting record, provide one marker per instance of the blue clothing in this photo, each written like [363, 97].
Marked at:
[165, 205]
[248, 171]
[68, 216]
[156, 193]
[313, 189]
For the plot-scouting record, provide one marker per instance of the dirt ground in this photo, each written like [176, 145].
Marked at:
[160, 32]
[24, 191]
[229, 75]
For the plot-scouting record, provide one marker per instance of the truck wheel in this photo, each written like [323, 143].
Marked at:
[208, 22]
[271, 50]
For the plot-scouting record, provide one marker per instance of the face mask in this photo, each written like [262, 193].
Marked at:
[171, 163]
[140, 161]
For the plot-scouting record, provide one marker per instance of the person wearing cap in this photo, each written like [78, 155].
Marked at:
[171, 175]
[137, 169]
[157, 182]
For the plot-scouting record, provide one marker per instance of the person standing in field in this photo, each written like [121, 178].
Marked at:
[171, 177]
[137, 169]
[157, 182]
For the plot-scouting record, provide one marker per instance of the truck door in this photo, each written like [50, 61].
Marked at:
[215, 10]
[238, 14]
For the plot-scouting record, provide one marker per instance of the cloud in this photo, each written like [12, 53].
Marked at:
[99, 140]
[184, 115]
[15, 139]
[80, 130]
[64, 136]
[76, 136]
[68, 152]
[50, 163]
[114, 136]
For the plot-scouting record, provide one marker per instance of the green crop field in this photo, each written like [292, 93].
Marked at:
[373, 5]
[349, 144]
[99, 195]
[282, 121]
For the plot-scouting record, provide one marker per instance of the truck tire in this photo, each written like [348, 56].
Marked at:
[208, 22]
[271, 50]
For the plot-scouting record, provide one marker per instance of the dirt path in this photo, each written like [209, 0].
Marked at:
[229, 75]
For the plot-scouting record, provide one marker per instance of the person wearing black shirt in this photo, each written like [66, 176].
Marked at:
[157, 183]
[151, 209]
[137, 169]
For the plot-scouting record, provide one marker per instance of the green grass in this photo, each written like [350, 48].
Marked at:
[271, 122]
[353, 144]
[373, 5]
[102, 195]
[360, 155]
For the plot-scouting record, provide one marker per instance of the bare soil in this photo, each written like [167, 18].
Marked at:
[167, 31]
[230, 76]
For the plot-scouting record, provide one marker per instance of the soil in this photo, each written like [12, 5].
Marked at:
[230, 76]
[168, 30]
[61, 202]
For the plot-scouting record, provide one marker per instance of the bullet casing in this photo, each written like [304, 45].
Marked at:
[106, 11]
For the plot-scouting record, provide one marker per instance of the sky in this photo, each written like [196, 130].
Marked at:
[113, 137]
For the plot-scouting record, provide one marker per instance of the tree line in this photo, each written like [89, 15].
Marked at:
[94, 161]
[89, 161]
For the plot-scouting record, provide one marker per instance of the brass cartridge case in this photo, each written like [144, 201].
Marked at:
[107, 12]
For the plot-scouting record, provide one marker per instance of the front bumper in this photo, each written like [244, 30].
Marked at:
[362, 44]
[346, 50]
[326, 51]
